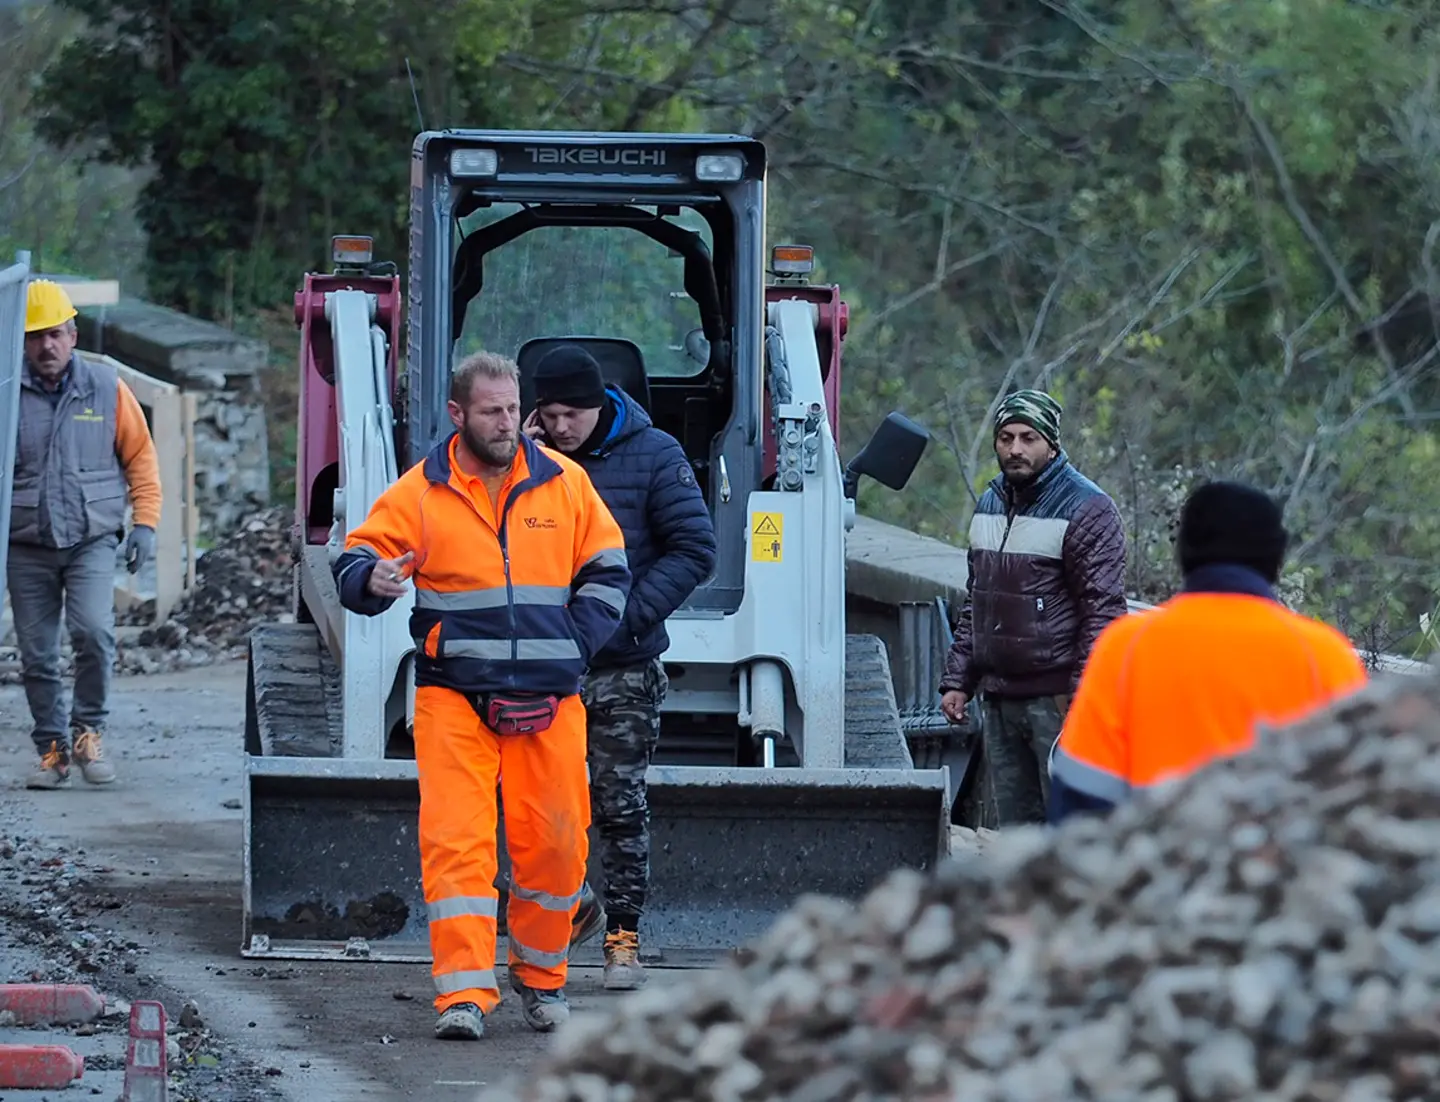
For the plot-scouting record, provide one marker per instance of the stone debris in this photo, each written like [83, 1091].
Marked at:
[1265, 930]
[54, 909]
[245, 580]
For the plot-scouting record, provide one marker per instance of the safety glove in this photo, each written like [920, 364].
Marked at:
[140, 548]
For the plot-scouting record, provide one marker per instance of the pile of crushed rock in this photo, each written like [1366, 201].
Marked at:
[1265, 930]
[244, 580]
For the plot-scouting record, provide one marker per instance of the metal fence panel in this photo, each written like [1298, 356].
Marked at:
[13, 283]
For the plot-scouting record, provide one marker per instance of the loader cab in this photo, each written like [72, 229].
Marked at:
[646, 249]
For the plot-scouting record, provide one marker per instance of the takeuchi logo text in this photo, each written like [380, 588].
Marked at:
[595, 155]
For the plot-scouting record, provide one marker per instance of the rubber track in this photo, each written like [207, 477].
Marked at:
[873, 736]
[297, 692]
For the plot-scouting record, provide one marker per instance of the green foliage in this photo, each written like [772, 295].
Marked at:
[1210, 228]
[71, 218]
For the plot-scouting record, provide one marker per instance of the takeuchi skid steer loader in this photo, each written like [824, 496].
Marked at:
[782, 767]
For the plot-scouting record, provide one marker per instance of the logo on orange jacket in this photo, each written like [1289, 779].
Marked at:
[540, 522]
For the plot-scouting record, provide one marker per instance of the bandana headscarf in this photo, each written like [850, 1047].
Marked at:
[1034, 408]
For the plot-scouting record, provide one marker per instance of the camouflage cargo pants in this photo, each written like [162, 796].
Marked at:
[623, 715]
[1019, 733]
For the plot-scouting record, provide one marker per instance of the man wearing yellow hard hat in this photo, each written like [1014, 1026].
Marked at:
[82, 444]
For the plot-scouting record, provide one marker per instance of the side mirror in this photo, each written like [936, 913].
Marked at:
[890, 456]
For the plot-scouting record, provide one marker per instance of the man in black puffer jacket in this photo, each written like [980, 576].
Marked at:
[1047, 574]
[642, 474]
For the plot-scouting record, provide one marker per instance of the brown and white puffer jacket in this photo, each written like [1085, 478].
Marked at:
[1047, 573]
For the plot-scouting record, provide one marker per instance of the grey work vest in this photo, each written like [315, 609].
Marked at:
[69, 485]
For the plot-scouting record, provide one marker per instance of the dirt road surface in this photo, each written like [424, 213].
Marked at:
[141, 898]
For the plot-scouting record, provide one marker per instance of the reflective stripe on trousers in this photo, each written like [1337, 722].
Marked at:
[555, 904]
[545, 788]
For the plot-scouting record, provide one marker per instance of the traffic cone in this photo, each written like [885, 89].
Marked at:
[51, 1003]
[35, 1067]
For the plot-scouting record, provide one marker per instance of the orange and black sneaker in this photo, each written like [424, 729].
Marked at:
[90, 757]
[54, 768]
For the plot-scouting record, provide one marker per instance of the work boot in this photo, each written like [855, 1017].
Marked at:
[90, 757]
[53, 770]
[544, 1010]
[589, 917]
[461, 1022]
[623, 970]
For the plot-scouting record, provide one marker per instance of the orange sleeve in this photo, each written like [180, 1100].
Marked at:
[1092, 754]
[392, 526]
[136, 452]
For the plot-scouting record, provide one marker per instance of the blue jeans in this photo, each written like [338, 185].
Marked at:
[81, 579]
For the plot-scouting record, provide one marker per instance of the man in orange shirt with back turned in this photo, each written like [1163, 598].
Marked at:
[1172, 688]
[520, 578]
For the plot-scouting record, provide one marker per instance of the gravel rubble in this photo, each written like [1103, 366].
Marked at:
[1265, 930]
[56, 926]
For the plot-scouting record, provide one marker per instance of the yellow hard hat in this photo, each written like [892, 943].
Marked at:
[46, 306]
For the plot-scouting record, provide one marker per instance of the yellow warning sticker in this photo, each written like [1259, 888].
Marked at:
[767, 537]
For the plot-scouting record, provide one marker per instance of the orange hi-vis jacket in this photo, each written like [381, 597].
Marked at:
[517, 602]
[1168, 690]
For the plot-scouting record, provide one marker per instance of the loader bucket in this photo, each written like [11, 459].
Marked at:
[331, 860]
[332, 865]
[731, 849]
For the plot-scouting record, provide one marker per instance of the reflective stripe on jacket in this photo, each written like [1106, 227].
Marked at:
[77, 451]
[516, 603]
[1170, 689]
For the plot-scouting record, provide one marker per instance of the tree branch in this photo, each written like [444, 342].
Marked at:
[654, 97]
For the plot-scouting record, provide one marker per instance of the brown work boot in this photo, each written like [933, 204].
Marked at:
[623, 970]
[90, 756]
[53, 770]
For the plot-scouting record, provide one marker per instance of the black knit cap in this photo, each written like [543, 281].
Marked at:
[569, 375]
[1228, 522]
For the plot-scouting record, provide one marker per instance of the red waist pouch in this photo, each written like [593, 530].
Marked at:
[516, 714]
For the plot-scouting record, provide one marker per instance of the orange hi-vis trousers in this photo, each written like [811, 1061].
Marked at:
[545, 788]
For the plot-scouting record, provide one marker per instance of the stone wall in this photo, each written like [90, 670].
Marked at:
[232, 461]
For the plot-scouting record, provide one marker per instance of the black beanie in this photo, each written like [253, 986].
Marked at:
[1227, 522]
[569, 375]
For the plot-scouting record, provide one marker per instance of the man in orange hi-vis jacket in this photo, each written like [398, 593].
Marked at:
[520, 577]
[1167, 690]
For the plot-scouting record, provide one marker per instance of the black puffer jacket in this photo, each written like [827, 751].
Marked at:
[642, 474]
[1047, 573]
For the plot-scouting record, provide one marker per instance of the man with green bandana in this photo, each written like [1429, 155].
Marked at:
[1047, 573]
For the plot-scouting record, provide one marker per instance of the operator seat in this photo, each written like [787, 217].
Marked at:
[620, 363]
